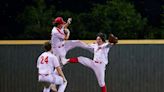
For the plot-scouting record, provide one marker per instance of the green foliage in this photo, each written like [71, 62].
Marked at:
[156, 32]
[116, 16]
[37, 20]
[119, 18]
[85, 26]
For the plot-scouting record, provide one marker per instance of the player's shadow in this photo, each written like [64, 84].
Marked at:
[79, 51]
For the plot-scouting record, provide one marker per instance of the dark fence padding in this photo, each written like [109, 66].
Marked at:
[131, 68]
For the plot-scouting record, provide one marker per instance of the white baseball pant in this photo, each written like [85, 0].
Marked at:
[54, 79]
[97, 67]
[60, 52]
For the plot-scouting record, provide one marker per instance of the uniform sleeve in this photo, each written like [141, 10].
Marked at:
[92, 45]
[58, 34]
[107, 45]
[55, 61]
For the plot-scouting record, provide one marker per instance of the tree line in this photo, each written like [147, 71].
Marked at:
[115, 16]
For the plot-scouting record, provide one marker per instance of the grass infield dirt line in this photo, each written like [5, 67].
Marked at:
[28, 42]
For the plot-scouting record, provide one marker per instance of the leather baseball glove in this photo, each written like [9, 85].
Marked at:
[112, 39]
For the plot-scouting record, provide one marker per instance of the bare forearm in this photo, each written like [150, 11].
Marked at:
[67, 34]
[60, 72]
[66, 25]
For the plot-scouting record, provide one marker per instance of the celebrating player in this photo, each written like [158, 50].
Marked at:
[46, 64]
[59, 33]
[100, 60]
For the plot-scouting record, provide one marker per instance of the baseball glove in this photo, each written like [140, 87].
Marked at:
[112, 39]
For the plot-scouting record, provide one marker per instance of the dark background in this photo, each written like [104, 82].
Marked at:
[10, 28]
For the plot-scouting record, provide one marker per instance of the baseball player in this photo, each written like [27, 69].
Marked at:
[46, 64]
[59, 33]
[100, 60]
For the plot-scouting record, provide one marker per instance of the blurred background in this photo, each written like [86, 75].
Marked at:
[127, 19]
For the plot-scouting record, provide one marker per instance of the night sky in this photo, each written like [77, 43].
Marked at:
[9, 9]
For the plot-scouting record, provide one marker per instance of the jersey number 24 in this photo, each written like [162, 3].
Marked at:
[44, 60]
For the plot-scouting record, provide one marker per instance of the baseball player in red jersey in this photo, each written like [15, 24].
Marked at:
[46, 64]
[59, 33]
[100, 60]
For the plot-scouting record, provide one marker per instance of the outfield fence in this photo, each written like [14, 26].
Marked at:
[134, 66]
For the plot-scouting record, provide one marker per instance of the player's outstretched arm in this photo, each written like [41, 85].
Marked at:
[60, 72]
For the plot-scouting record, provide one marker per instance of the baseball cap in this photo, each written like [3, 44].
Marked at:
[58, 20]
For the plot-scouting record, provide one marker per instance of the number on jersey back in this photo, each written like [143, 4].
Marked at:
[44, 60]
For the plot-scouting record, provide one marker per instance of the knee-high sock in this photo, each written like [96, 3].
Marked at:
[46, 89]
[62, 87]
[73, 60]
[103, 89]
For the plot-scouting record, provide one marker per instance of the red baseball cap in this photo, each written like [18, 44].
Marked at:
[58, 20]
